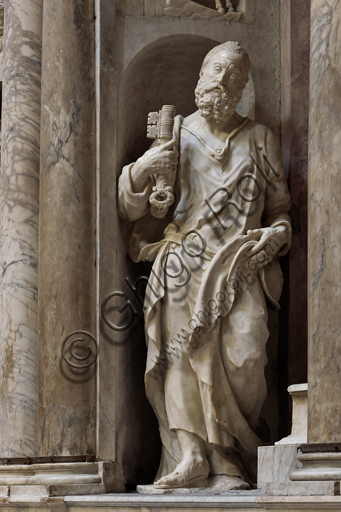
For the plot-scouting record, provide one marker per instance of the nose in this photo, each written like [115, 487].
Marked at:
[222, 76]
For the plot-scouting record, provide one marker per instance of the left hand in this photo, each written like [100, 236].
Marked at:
[272, 239]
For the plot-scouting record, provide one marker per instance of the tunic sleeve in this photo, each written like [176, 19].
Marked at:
[132, 205]
[277, 197]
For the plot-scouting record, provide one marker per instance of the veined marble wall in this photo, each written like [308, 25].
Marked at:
[324, 271]
[67, 258]
[19, 228]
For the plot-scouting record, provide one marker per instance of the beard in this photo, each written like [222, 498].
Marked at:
[215, 101]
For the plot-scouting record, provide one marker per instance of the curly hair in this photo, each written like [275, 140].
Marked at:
[231, 47]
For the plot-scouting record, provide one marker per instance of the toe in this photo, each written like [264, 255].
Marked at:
[170, 480]
[162, 481]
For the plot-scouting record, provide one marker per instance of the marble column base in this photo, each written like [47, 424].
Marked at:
[275, 463]
[303, 489]
[34, 504]
[60, 479]
[298, 436]
[318, 466]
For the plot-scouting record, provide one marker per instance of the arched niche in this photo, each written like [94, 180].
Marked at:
[166, 72]
[163, 73]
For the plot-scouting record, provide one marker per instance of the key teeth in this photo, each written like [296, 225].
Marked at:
[153, 117]
[153, 125]
[152, 132]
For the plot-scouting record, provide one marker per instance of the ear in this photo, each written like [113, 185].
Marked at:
[245, 81]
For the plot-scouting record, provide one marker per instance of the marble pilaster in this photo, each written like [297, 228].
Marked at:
[276, 463]
[324, 268]
[67, 264]
[298, 434]
[320, 458]
[19, 210]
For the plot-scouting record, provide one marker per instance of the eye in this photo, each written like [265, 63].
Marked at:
[233, 76]
[217, 69]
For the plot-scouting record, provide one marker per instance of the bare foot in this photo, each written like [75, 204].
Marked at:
[191, 471]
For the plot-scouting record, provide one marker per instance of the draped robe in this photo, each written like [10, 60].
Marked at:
[206, 300]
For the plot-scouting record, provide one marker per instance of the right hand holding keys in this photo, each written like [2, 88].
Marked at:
[160, 159]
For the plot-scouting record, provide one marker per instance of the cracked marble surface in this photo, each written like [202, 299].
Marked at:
[19, 216]
[324, 267]
[67, 297]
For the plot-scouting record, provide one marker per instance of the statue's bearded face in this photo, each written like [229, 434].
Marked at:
[220, 86]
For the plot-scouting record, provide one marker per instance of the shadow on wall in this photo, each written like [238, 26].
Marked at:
[165, 72]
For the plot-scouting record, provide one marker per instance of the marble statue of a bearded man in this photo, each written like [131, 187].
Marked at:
[215, 271]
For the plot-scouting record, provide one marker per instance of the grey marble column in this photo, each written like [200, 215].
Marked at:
[67, 264]
[321, 457]
[324, 272]
[19, 210]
